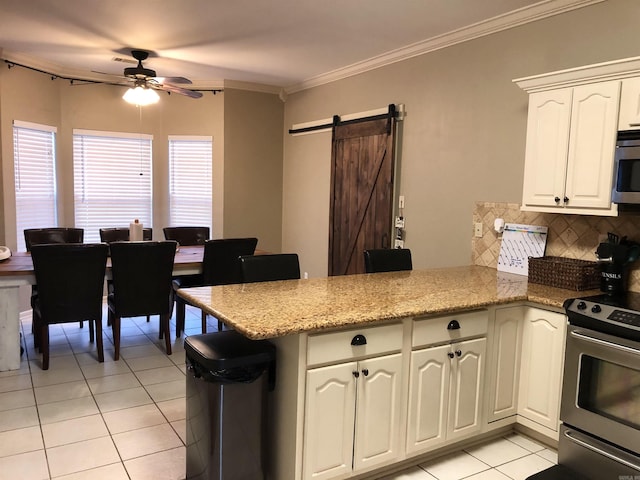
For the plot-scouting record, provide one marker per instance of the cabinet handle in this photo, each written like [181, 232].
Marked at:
[359, 340]
[450, 354]
[557, 199]
[459, 353]
[453, 325]
[365, 372]
[356, 373]
[566, 199]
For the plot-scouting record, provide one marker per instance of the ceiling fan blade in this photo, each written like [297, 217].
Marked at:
[167, 87]
[181, 80]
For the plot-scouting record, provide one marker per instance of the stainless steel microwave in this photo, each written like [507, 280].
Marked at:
[626, 177]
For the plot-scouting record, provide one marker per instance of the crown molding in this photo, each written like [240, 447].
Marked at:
[538, 11]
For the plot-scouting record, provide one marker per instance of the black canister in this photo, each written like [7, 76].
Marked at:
[613, 278]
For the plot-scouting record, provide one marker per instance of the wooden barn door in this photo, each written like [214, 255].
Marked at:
[361, 191]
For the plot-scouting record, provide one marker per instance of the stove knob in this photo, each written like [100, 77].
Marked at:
[581, 306]
[596, 309]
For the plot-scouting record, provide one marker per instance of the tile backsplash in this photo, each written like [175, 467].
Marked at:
[572, 236]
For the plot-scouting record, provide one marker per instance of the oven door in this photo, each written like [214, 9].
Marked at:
[601, 389]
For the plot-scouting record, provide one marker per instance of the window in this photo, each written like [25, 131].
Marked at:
[190, 180]
[112, 180]
[34, 162]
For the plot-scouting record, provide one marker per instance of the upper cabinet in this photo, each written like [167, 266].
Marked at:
[573, 119]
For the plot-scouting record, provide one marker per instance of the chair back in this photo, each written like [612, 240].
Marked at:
[187, 235]
[109, 235]
[70, 279]
[38, 236]
[266, 268]
[387, 260]
[221, 260]
[141, 276]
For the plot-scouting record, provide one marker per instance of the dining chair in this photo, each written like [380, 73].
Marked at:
[267, 268]
[70, 279]
[220, 266]
[141, 274]
[121, 234]
[39, 236]
[387, 260]
[187, 235]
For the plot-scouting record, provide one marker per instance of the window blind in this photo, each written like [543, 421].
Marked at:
[190, 180]
[112, 180]
[35, 179]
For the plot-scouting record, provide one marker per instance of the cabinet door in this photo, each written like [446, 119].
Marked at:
[504, 365]
[465, 391]
[378, 410]
[594, 125]
[629, 117]
[547, 144]
[329, 420]
[543, 340]
[428, 397]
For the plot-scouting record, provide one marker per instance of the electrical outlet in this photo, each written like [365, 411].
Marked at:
[399, 222]
[477, 230]
[398, 244]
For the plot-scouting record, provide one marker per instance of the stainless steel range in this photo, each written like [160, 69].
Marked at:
[600, 408]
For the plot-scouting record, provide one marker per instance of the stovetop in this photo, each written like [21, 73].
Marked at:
[613, 314]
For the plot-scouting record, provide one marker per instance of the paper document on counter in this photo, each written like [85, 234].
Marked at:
[519, 242]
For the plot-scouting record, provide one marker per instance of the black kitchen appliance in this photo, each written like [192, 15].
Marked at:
[600, 406]
[616, 255]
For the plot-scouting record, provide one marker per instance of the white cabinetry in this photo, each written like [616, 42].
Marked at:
[571, 135]
[446, 380]
[504, 372]
[543, 341]
[353, 408]
[629, 118]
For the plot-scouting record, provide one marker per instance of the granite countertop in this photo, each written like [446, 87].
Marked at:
[275, 309]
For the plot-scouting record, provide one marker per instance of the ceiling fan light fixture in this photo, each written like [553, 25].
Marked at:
[141, 96]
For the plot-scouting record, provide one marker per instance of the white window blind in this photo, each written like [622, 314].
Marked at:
[34, 161]
[190, 180]
[112, 180]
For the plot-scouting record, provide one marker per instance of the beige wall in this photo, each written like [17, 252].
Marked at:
[254, 173]
[463, 138]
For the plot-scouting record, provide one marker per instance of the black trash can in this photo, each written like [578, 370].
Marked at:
[228, 377]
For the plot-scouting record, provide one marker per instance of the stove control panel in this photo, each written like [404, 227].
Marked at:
[603, 317]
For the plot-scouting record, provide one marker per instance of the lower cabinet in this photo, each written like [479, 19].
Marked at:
[543, 340]
[352, 417]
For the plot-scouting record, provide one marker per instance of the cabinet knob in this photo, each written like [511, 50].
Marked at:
[453, 325]
[356, 373]
[365, 372]
[566, 199]
[450, 354]
[359, 340]
[557, 199]
[459, 353]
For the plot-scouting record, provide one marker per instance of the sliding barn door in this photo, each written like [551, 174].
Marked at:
[361, 192]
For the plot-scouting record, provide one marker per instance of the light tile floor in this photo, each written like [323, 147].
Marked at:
[125, 420]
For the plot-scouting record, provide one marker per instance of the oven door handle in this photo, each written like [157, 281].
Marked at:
[593, 448]
[598, 341]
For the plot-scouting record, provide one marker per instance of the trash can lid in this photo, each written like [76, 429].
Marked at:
[227, 349]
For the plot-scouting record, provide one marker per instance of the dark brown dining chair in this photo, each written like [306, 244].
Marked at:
[187, 235]
[141, 274]
[220, 266]
[117, 234]
[70, 279]
[387, 260]
[39, 236]
[267, 268]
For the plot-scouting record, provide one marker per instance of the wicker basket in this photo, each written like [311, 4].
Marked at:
[568, 273]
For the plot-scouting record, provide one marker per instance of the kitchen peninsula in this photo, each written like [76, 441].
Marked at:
[436, 357]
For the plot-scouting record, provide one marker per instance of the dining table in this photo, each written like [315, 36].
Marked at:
[17, 271]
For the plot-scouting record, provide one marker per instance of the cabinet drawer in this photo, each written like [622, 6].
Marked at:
[429, 331]
[335, 347]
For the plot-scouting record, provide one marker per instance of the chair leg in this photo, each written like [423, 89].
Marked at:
[115, 326]
[148, 318]
[181, 307]
[99, 343]
[44, 345]
[220, 326]
[91, 331]
[204, 322]
[164, 327]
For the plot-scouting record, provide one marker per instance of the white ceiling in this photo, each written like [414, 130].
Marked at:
[287, 44]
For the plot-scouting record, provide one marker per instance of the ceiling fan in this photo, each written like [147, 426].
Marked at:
[146, 78]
